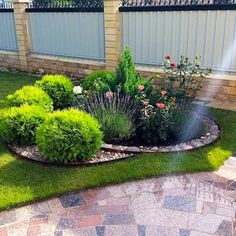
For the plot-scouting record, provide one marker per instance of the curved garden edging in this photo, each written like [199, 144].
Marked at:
[111, 152]
[211, 135]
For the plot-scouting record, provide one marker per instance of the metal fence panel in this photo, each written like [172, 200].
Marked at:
[73, 34]
[210, 34]
[8, 39]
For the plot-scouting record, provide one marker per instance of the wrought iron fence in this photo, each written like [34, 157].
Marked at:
[44, 4]
[146, 3]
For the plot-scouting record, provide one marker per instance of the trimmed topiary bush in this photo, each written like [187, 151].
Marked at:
[59, 88]
[30, 95]
[19, 124]
[68, 136]
[99, 82]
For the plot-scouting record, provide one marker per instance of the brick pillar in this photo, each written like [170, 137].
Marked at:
[112, 33]
[21, 31]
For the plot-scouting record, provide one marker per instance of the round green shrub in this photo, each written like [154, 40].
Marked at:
[19, 124]
[99, 82]
[30, 95]
[59, 88]
[69, 135]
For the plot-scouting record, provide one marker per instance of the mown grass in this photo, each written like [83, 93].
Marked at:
[22, 181]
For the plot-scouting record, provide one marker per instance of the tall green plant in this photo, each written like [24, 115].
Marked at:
[125, 72]
[127, 79]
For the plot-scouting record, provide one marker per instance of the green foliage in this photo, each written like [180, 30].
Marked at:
[116, 126]
[115, 113]
[187, 125]
[19, 124]
[46, 181]
[156, 127]
[125, 71]
[30, 95]
[171, 124]
[68, 136]
[59, 88]
[99, 81]
[127, 79]
[184, 80]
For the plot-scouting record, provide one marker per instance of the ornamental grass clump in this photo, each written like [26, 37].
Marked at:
[116, 114]
[59, 88]
[69, 135]
[19, 124]
[30, 95]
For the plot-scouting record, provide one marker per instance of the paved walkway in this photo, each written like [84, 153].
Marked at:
[199, 204]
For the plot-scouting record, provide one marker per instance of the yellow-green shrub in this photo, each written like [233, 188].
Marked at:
[59, 88]
[30, 95]
[19, 124]
[69, 135]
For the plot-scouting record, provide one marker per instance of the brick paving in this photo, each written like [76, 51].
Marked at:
[200, 204]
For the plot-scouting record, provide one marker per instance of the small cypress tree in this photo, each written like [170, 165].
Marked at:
[126, 75]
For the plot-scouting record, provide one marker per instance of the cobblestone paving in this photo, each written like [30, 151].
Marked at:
[201, 204]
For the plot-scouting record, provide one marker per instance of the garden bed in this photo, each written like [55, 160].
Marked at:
[110, 152]
[25, 181]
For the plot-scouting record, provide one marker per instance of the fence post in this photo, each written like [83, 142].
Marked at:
[112, 33]
[21, 31]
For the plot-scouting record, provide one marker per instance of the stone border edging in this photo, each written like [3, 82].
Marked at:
[209, 137]
[123, 152]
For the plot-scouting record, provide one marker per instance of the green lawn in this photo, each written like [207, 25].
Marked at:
[23, 181]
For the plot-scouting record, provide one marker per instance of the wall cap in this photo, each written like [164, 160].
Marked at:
[214, 75]
[67, 59]
[9, 52]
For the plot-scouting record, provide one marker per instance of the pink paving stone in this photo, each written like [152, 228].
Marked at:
[33, 230]
[38, 220]
[121, 230]
[174, 191]
[82, 210]
[96, 195]
[3, 231]
[138, 205]
[118, 201]
[17, 225]
[111, 209]
[93, 220]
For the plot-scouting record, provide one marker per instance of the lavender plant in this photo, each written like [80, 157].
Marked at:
[115, 113]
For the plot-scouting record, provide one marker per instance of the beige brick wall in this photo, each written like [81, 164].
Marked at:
[218, 87]
[59, 65]
[9, 60]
